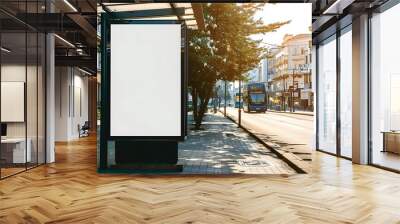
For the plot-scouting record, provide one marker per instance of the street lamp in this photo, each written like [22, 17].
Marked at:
[291, 89]
[225, 99]
[240, 105]
[292, 93]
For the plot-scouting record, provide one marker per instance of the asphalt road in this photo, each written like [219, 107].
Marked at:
[292, 131]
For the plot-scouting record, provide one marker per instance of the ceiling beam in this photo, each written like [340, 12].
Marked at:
[87, 27]
[105, 8]
[337, 7]
[173, 7]
[81, 61]
[148, 13]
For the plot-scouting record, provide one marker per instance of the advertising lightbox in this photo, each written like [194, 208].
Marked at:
[145, 80]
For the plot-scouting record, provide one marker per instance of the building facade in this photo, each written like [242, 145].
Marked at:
[290, 74]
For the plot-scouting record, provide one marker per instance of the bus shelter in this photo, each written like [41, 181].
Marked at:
[144, 84]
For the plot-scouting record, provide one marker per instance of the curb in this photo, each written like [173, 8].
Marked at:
[283, 112]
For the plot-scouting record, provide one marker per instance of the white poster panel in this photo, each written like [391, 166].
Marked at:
[145, 76]
[12, 101]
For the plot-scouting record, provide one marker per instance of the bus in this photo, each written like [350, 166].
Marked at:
[254, 97]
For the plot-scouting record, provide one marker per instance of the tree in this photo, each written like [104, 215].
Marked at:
[224, 50]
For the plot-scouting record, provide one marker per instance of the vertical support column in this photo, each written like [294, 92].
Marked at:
[50, 92]
[225, 98]
[360, 89]
[240, 105]
[186, 75]
[292, 92]
[338, 93]
[102, 154]
[314, 82]
[92, 103]
[283, 95]
[50, 98]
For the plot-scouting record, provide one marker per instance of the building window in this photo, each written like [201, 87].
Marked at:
[385, 89]
[22, 65]
[327, 95]
[346, 93]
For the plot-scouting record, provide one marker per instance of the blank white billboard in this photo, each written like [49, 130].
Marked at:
[12, 101]
[145, 76]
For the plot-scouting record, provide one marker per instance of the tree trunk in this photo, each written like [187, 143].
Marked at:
[202, 111]
[204, 96]
[201, 94]
[194, 102]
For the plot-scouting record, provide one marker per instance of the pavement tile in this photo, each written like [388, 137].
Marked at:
[219, 148]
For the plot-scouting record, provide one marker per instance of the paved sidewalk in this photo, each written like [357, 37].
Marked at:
[223, 148]
[289, 134]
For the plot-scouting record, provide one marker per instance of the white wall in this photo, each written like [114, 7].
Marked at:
[33, 126]
[71, 87]
[14, 72]
[61, 103]
[80, 110]
[17, 72]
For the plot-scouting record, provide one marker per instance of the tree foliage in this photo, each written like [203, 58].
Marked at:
[224, 50]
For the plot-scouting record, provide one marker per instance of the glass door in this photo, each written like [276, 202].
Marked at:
[385, 89]
[327, 95]
[14, 153]
[346, 92]
[22, 69]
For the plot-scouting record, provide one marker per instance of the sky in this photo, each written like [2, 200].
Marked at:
[298, 13]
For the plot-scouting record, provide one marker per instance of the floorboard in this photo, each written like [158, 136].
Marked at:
[70, 191]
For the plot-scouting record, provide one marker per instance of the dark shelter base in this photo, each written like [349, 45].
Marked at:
[146, 168]
[142, 153]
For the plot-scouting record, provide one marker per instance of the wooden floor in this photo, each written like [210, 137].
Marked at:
[5, 172]
[386, 159]
[70, 191]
